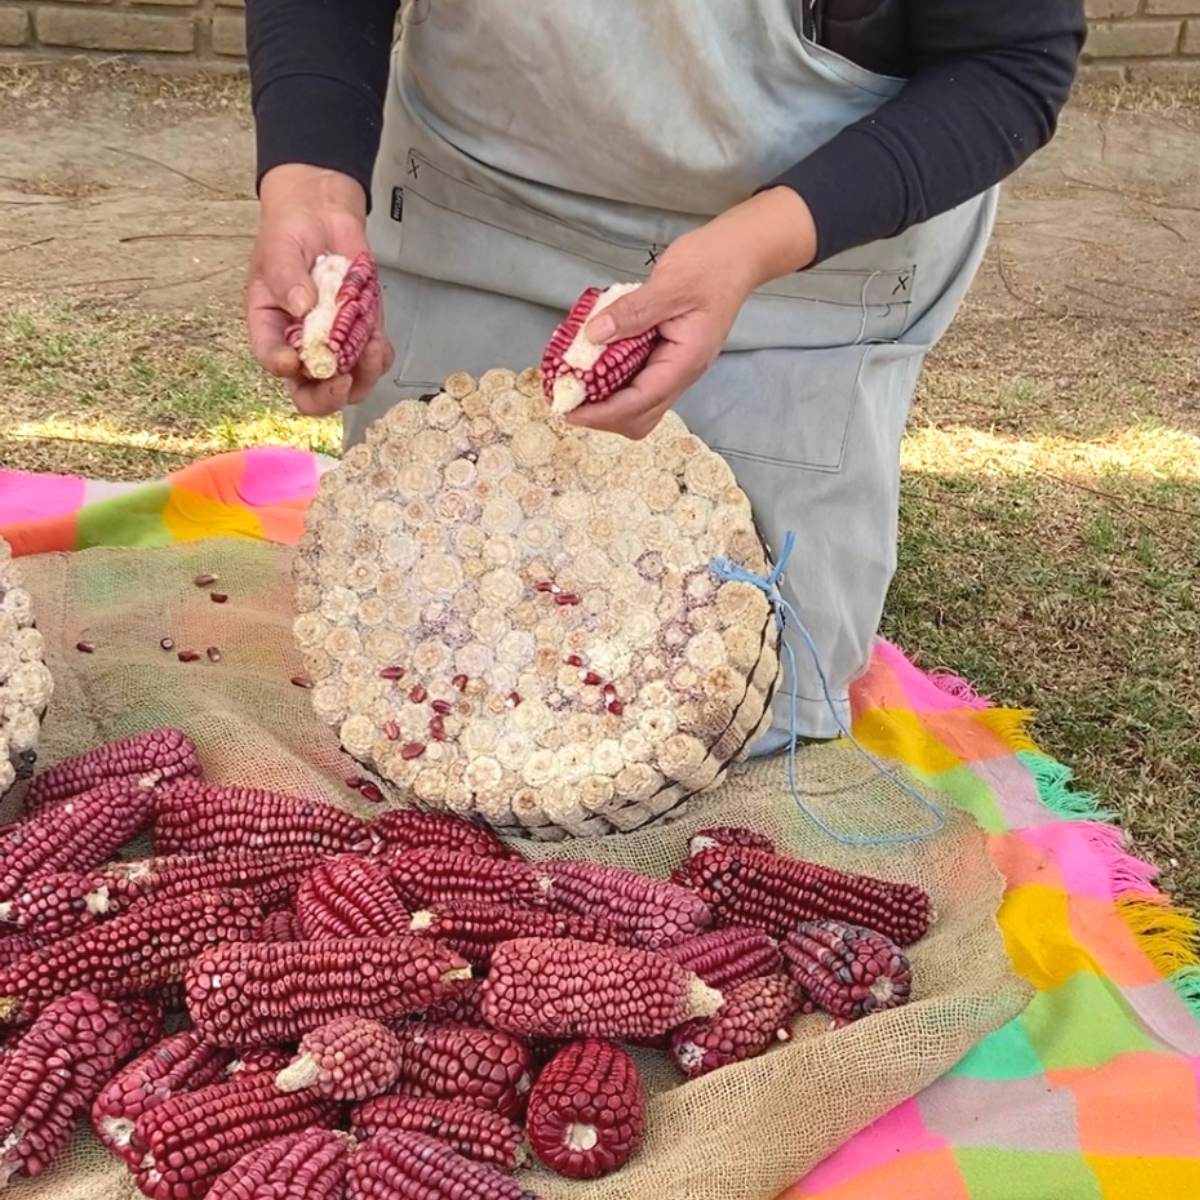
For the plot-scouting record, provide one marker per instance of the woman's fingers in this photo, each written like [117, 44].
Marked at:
[321, 398]
[634, 411]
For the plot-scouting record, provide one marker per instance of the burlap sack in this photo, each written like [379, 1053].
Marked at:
[742, 1133]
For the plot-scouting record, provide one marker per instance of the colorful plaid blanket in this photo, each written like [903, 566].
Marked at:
[1093, 1093]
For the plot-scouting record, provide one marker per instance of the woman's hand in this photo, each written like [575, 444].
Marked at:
[693, 296]
[306, 211]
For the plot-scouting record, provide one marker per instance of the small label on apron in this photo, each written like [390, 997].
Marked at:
[397, 204]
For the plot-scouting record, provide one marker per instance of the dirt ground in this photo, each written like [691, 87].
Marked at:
[121, 194]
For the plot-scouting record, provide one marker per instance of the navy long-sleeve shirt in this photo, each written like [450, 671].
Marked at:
[986, 81]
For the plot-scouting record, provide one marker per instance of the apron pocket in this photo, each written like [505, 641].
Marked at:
[787, 407]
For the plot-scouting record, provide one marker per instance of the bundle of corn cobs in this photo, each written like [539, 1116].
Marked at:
[400, 1007]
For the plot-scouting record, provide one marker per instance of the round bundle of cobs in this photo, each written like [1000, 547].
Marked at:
[514, 619]
[25, 681]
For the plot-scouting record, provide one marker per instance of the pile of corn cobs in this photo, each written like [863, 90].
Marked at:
[388, 1008]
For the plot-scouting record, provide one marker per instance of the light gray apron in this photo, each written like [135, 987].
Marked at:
[533, 148]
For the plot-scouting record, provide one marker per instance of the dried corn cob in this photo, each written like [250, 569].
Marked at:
[145, 1019]
[644, 912]
[53, 905]
[186, 1142]
[260, 1060]
[461, 1008]
[281, 926]
[352, 1058]
[396, 1166]
[145, 759]
[136, 953]
[201, 818]
[563, 988]
[728, 835]
[475, 929]
[245, 994]
[576, 370]
[473, 1132]
[755, 1015]
[408, 829]
[180, 1063]
[14, 946]
[587, 1112]
[349, 896]
[309, 1165]
[428, 877]
[52, 1075]
[74, 833]
[483, 1067]
[332, 337]
[848, 971]
[723, 958]
[773, 893]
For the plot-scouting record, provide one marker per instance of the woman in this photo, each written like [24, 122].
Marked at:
[807, 186]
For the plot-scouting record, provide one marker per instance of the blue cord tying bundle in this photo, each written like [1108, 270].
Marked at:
[784, 613]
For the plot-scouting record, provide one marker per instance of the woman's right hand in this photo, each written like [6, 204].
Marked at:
[306, 211]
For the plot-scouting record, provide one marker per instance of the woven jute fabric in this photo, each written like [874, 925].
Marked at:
[741, 1133]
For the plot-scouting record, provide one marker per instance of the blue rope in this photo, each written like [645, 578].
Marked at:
[785, 613]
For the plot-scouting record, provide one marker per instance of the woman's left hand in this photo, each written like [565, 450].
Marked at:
[693, 296]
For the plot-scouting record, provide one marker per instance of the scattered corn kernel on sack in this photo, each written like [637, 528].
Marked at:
[519, 622]
[577, 370]
[26, 684]
[331, 338]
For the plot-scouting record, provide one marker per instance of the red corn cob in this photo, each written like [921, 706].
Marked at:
[411, 1166]
[408, 829]
[14, 946]
[349, 896]
[755, 1015]
[309, 1165]
[728, 835]
[723, 958]
[576, 370]
[199, 818]
[74, 833]
[180, 1063]
[645, 912]
[145, 1020]
[133, 954]
[247, 994]
[564, 988]
[53, 905]
[281, 926]
[848, 971]
[474, 929]
[332, 337]
[461, 1008]
[352, 1058]
[427, 877]
[186, 1142]
[148, 758]
[474, 1133]
[51, 1076]
[268, 1060]
[773, 893]
[587, 1111]
[483, 1067]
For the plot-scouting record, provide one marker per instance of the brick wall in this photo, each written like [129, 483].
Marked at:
[1144, 40]
[186, 33]
[1153, 40]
